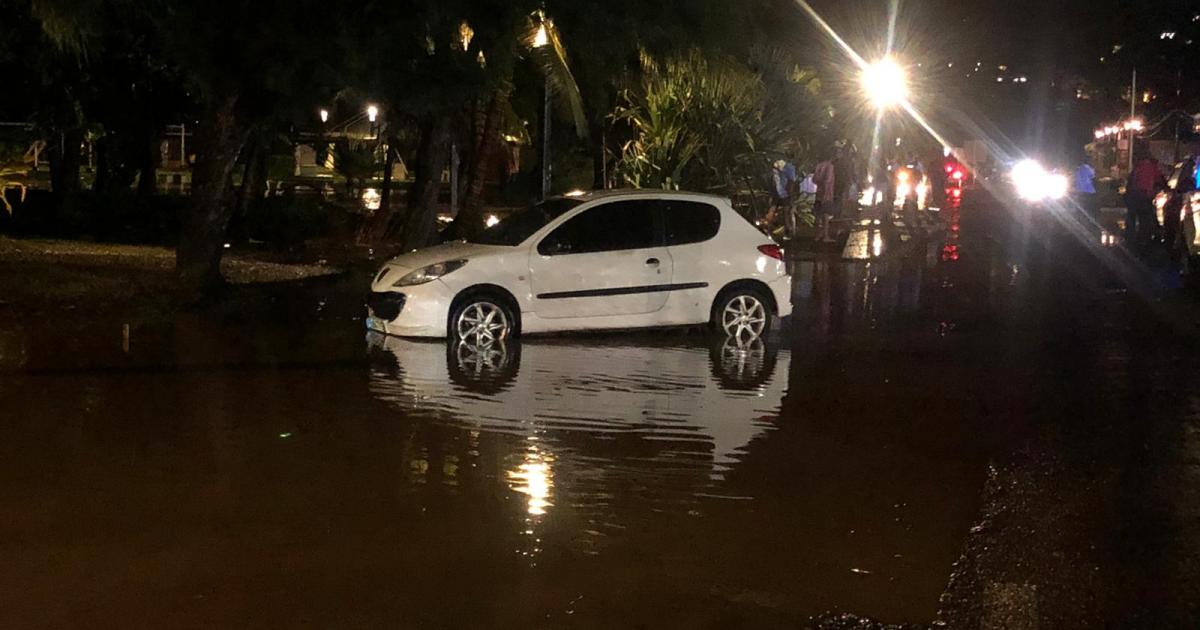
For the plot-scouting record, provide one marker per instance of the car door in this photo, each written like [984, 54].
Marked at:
[690, 227]
[609, 260]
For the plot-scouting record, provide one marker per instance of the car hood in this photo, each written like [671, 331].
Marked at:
[455, 250]
[393, 269]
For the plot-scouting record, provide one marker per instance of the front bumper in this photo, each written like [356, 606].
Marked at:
[418, 311]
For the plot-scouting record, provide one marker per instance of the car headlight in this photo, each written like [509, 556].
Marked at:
[429, 274]
[1034, 183]
[1057, 186]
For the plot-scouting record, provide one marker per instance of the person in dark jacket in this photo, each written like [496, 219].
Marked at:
[1145, 181]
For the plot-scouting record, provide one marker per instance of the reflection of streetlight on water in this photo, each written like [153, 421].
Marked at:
[533, 477]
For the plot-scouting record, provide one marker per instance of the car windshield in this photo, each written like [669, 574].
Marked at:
[520, 225]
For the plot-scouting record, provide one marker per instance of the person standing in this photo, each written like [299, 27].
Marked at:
[1145, 181]
[1085, 179]
[881, 180]
[842, 170]
[824, 176]
[783, 186]
[808, 188]
[1085, 186]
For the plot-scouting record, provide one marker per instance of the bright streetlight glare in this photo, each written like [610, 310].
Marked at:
[372, 113]
[885, 83]
[324, 115]
[541, 38]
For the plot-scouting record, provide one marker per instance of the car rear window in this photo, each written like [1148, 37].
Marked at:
[690, 221]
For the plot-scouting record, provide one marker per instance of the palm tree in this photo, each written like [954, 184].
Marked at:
[542, 42]
[464, 62]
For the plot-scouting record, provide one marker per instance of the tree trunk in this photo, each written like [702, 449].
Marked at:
[254, 174]
[483, 155]
[105, 164]
[420, 225]
[219, 139]
[64, 156]
[389, 162]
[254, 170]
[599, 156]
[147, 158]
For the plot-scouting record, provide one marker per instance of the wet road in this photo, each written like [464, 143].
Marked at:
[983, 428]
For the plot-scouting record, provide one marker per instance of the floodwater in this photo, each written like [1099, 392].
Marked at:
[288, 469]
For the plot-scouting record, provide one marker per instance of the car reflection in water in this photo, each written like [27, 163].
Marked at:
[697, 407]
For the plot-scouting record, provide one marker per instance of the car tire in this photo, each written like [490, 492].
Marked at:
[481, 318]
[742, 311]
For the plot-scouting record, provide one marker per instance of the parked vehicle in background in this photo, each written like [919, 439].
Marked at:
[601, 260]
[1178, 209]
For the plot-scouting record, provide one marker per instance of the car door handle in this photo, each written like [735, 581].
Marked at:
[653, 262]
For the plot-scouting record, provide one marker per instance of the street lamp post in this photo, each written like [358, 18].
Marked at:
[540, 39]
[885, 84]
[372, 114]
[1132, 115]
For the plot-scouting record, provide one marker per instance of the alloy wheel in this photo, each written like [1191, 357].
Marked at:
[482, 323]
[744, 317]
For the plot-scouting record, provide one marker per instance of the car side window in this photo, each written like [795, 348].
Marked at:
[690, 222]
[610, 227]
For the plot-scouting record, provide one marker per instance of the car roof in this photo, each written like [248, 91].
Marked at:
[596, 195]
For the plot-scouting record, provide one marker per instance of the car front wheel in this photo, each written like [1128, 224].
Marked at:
[742, 313]
[482, 320]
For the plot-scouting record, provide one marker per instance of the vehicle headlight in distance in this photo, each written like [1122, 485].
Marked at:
[1030, 180]
[429, 274]
[1057, 185]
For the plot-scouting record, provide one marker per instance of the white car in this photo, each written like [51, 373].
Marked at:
[602, 260]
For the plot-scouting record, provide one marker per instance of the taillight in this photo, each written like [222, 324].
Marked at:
[772, 250]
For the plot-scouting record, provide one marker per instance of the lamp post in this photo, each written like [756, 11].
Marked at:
[372, 114]
[542, 39]
[885, 85]
[1132, 115]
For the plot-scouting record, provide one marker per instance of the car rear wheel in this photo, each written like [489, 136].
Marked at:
[481, 320]
[742, 313]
